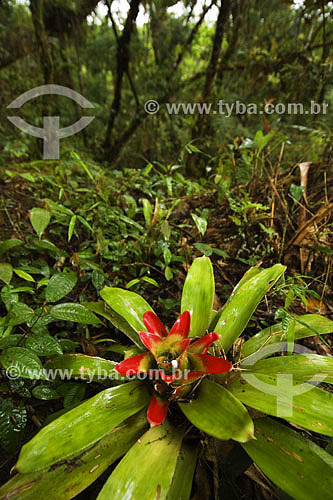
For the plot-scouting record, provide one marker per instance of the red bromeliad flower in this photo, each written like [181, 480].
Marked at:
[173, 359]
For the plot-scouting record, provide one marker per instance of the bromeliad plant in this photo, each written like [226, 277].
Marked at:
[173, 360]
[187, 380]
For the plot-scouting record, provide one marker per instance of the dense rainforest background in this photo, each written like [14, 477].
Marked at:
[211, 135]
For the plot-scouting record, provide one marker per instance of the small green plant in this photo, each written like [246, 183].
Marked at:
[73, 450]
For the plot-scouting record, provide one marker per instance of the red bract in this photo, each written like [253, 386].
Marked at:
[173, 359]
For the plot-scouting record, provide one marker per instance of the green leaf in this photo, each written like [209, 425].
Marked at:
[43, 345]
[129, 305]
[20, 313]
[27, 177]
[219, 413]
[295, 464]
[133, 282]
[9, 244]
[83, 426]
[72, 476]
[84, 367]
[74, 312]
[115, 319]
[6, 272]
[60, 285]
[198, 295]
[72, 392]
[167, 255]
[305, 326]
[13, 420]
[149, 280]
[301, 366]
[296, 191]
[244, 299]
[44, 392]
[9, 297]
[20, 362]
[97, 279]
[262, 140]
[39, 218]
[22, 274]
[49, 247]
[147, 470]
[85, 223]
[71, 227]
[147, 211]
[181, 485]
[10, 341]
[301, 404]
[168, 273]
[166, 230]
[200, 223]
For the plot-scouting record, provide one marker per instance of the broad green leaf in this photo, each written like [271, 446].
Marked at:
[11, 340]
[296, 191]
[242, 304]
[84, 367]
[39, 218]
[22, 274]
[115, 319]
[198, 295]
[74, 312]
[147, 211]
[9, 297]
[147, 470]
[166, 230]
[9, 244]
[181, 485]
[129, 305]
[305, 326]
[44, 392]
[219, 413]
[97, 279]
[49, 247]
[43, 345]
[200, 223]
[297, 465]
[60, 285]
[20, 313]
[72, 392]
[13, 419]
[70, 477]
[83, 426]
[20, 362]
[301, 366]
[168, 273]
[250, 273]
[6, 272]
[301, 404]
[57, 208]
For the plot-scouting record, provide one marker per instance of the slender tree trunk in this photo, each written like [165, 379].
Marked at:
[201, 121]
[36, 8]
[123, 58]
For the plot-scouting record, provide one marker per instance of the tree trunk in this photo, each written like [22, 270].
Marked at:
[36, 8]
[201, 121]
[123, 58]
